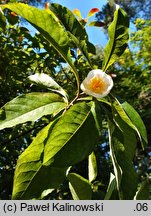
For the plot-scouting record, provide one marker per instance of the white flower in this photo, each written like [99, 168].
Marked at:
[97, 83]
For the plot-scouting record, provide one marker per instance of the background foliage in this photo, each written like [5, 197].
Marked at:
[23, 54]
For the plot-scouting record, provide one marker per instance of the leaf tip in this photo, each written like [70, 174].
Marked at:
[77, 13]
[93, 11]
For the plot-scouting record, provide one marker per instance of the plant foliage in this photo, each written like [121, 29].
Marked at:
[74, 124]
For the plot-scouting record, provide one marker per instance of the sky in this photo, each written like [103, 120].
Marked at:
[95, 34]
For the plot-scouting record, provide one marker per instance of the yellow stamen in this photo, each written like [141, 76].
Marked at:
[97, 85]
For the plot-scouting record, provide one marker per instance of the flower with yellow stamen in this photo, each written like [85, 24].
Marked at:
[97, 83]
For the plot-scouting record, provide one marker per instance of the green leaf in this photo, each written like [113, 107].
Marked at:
[118, 38]
[111, 187]
[46, 81]
[73, 137]
[2, 21]
[31, 176]
[48, 25]
[132, 118]
[80, 187]
[92, 167]
[126, 126]
[122, 148]
[116, 105]
[45, 193]
[137, 121]
[30, 107]
[74, 28]
[144, 191]
[96, 111]
[116, 165]
[61, 144]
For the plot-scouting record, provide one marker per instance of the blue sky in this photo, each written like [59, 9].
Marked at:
[83, 5]
[95, 34]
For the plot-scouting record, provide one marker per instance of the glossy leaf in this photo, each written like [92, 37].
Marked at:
[31, 176]
[132, 118]
[74, 28]
[73, 137]
[116, 165]
[111, 187]
[80, 187]
[93, 11]
[51, 152]
[122, 149]
[92, 167]
[30, 107]
[96, 111]
[119, 109]
[48, 25]
[118, 38]
[46, 81]
[137, 121]
[126, 126]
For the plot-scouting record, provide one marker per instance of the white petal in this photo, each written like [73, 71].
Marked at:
[107, 80]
